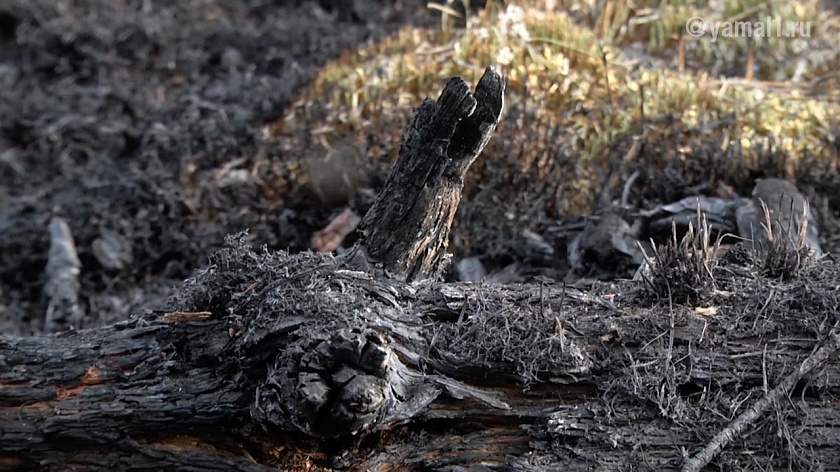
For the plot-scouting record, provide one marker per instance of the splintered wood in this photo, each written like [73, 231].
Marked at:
[407, 228]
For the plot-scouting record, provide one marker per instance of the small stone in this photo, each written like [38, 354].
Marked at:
[112, 250]
[231, 58]
[470, 269]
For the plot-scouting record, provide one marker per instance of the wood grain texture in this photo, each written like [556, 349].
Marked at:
[406, 231]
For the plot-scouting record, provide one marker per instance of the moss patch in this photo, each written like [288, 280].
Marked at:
[594, 95]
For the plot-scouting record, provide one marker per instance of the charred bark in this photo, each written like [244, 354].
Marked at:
[286, 361]
[407, 229]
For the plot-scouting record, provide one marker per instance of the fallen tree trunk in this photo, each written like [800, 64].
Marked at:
[301, 362]
[280, 351]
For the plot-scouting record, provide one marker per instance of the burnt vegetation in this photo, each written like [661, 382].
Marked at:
[135, 137]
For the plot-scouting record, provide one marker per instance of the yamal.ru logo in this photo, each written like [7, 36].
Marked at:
[697, 26]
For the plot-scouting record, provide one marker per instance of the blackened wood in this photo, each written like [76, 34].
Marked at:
[278, 352]
[407, 228]
[749, 417]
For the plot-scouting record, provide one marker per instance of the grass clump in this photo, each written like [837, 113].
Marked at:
[684, 268]
[786, 253]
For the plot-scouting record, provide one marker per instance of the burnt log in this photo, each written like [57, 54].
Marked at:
[288, 362]
[273, 361]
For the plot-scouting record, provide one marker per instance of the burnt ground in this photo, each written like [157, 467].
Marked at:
[153, 131]
[116, 115]
[146, 128]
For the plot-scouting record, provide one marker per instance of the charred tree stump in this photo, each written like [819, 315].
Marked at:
[407, 229]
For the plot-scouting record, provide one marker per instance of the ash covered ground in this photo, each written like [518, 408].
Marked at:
[151, 130]
[117, 115]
